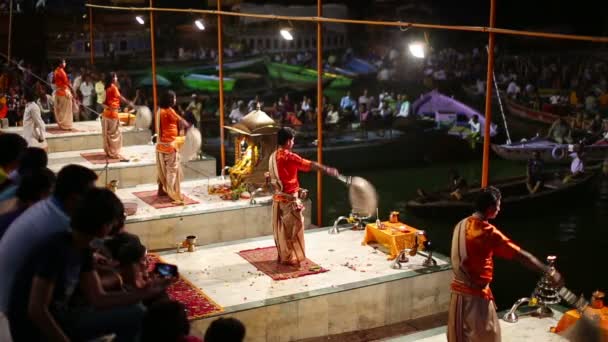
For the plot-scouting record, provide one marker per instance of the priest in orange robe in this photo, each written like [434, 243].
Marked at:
[110, 121]
[63, 97]
[287, 206]
[167, 149]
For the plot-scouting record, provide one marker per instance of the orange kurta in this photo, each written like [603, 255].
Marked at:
[288, 165]
[60, 78]
[482, 242]
[112, 101]
[169, 130]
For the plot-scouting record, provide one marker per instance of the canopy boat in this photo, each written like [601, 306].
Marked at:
[207, 82]
[524, 112]
[550, 152]
[516, 199]
[448, 114]
[160, 81]
[360, 67]
[301, 75]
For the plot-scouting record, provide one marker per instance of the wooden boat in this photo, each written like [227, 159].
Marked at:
[301, 75]
[207, 82]
[524, 112]
[360, 66]
[516, 200]
[550, 152]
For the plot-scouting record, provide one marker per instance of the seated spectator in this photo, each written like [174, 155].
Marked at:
[130, 269]
[33, 158]
[38, 223]
[560, 132]
[534, 173]
[225, 330]
[42, 303]
[167, 321]
[35, 186]
[332, 116]
[12, 146]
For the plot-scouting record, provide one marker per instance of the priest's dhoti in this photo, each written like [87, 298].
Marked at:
[170, 174]
[112, 137]
[63, 111]
[288, 228]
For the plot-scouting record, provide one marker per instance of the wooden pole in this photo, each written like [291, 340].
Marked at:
[154, 85]
[91, 37]
[488, 112]
[10, 30]
[220, 62]
[319, 114]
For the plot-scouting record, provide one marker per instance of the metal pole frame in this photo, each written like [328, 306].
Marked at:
[319, 113]
[10, 30]
[485, 167]
[220, 62]
[91, 38]
[154, 85]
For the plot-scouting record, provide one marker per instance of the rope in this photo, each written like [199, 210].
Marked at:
[399, 24]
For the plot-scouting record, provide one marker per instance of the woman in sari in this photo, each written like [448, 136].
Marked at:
[169, 142]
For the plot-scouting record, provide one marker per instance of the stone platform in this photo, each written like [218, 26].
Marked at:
[87, 136]
[528, 328]
[360, 291]
[140, 169]
[212, 220]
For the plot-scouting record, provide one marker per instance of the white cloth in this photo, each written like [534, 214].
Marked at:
[404, 111]
[333, 117]
[577, 166]
[475, 126]
[33, 125]
[236, 115]
[86, 89]
[512, 89]
[77, 82]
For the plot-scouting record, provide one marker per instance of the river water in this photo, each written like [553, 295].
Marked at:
[576, 231]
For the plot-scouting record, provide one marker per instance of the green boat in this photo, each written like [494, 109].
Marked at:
[207, 82]
[300, 75]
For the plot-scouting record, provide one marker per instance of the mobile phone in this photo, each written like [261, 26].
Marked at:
[165, 270]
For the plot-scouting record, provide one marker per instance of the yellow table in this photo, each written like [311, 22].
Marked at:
[395, 237]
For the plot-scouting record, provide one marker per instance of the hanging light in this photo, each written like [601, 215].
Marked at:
[417, 49]
[286, 33]
[199, 24]
[140, 19]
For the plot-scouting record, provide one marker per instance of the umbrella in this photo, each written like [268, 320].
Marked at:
[160, 81]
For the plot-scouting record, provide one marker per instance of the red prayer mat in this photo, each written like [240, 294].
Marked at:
[98, 158]
[57, 130]
[197, 303]
[152, 198]
[265, 260]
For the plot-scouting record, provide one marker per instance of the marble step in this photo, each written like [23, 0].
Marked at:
[360, 290]
[87, 135]
[140, 169]
[212, 219]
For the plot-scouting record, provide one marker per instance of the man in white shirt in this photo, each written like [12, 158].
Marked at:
[238, 113]
[86, 90]
[33, 125]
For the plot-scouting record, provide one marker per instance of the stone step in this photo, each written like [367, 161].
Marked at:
[86, 135]
[140, 169]
[212, 219]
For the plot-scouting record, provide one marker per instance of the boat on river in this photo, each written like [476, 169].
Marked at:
[550, 151]
[516, 199]
[544, 117]
[207, 83]
[298, 75]
[447, 114]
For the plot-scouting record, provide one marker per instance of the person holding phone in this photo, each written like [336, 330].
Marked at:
[42, 301]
